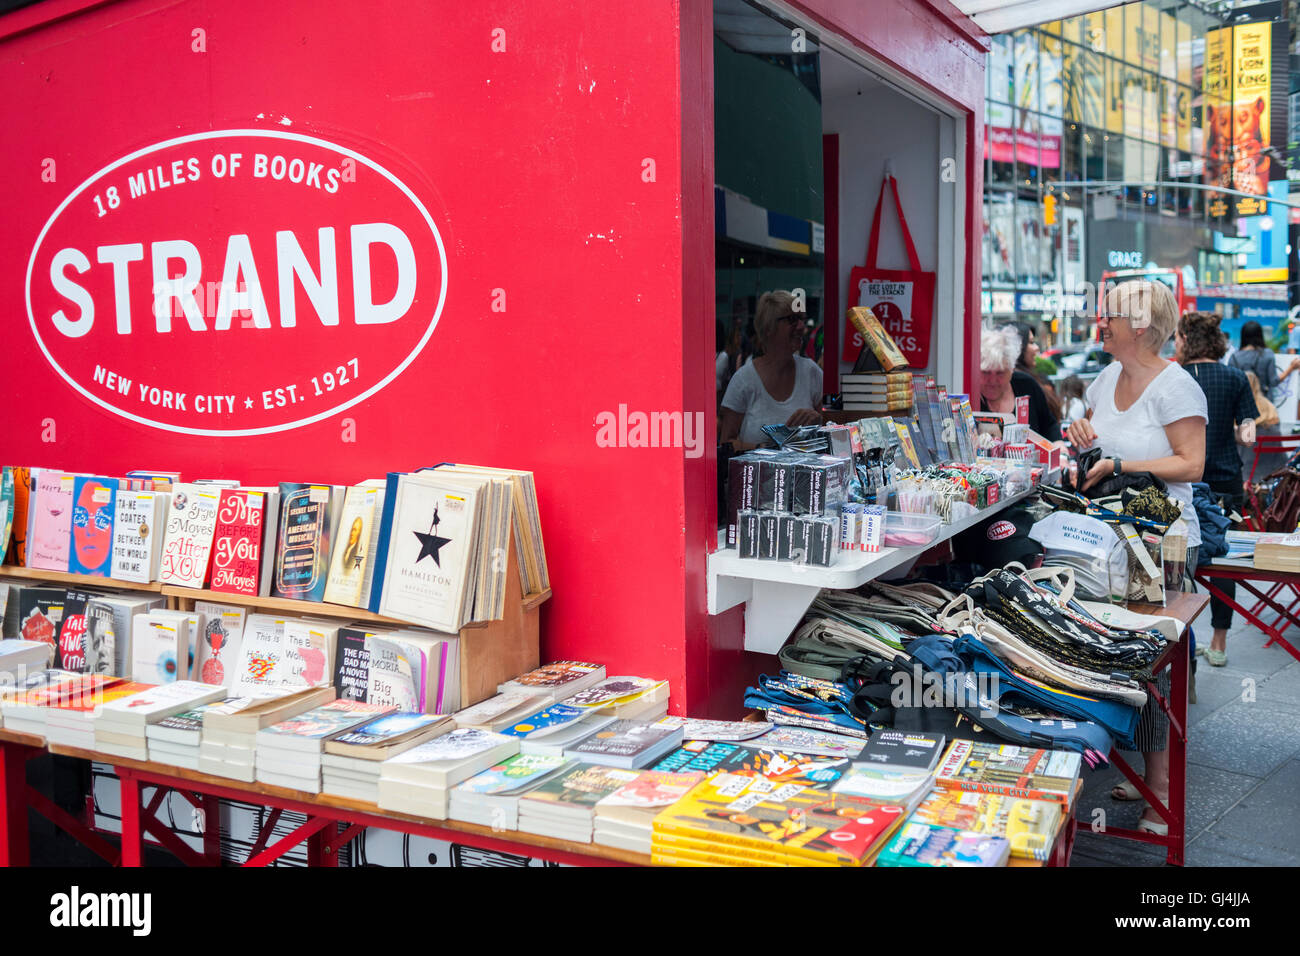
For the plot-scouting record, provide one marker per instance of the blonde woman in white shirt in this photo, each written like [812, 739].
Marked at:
[780, 386]
[1147, 414]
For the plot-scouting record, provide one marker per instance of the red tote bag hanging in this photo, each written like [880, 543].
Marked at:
[902, 299]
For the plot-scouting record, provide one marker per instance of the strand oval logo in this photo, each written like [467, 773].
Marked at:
[238, 282]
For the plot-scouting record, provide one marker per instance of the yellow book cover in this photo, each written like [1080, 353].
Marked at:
[1030, 825]
[746, 811]
[878, 340]
[742, 856]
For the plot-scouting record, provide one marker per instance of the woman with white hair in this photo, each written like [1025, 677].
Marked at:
[779, 386]
[1001, 381]
[1147, 414]
[999, 349]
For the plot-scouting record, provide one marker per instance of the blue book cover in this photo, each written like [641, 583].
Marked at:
[94, 501]
[380, 557]
[552, 718]
[386, 728]
[928, 844]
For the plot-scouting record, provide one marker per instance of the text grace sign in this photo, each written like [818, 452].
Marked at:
[237, 282]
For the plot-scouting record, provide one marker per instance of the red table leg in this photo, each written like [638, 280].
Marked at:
[320, 849]
[1178, 757]
[132, 834]
[13, 804]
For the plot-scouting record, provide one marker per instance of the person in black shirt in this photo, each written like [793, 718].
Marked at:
[1200, 345]
[1044, 408]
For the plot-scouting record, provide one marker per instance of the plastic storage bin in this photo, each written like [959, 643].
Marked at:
[903, 530]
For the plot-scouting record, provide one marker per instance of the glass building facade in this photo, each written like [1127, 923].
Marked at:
[1115, 99]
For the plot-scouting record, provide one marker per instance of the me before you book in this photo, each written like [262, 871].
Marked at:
[302, 554]
[187, 545]
[237, 542]
[91, 550]
[51, 520]
[138, 523]
[429, 552]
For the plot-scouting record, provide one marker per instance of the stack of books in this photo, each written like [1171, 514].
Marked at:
[554, 741]
[351, 762]
[564, 807]
[926, 844]
[120, 728]
[1030, 827]
[27, 706]
[1278, 552]
[628, 698]
[726, 820]
[228, 741]
[71, 720]
[630, 744]
[18, 658]
[625, 818]
[557, 680]
[175, 740]
[418, 780]
[288, 754]
[979, 767]
[491, 798]
[877, 391]
[497, 713]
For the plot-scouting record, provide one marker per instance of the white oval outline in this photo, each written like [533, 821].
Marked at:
[242, 432]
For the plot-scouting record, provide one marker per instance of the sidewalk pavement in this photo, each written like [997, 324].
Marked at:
[1243, 766]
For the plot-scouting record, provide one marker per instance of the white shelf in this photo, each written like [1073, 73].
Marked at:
[777, 594]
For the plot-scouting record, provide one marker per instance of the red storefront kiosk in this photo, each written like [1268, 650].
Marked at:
[324, 240]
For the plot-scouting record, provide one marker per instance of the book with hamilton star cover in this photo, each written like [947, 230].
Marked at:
[429, 552]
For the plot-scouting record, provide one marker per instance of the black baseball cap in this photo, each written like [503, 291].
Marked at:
[998, 540]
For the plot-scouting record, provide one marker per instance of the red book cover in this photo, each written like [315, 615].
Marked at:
[237, 542]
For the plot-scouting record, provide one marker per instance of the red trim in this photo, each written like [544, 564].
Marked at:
[974, 229]
[44, 14]
[318, 819]
[963, 24]
[831, 283]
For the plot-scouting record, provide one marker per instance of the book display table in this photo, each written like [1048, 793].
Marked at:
[331, 822]
[1283, 586]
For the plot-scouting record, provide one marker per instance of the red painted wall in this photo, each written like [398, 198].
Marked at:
[532, 162]
[571, 171]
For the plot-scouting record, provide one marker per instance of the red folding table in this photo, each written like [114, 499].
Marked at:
[1183, 607]
[1243, 571]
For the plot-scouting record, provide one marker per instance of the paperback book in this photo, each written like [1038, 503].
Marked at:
[237, 542]
[187, 541]
[93, 506]
[138, 521]
[302, 552]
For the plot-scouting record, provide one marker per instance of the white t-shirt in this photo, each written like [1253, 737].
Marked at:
[1139, 433]
[720, 369]
[746, 394]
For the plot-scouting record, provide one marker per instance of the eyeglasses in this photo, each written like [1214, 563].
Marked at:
[791, 318]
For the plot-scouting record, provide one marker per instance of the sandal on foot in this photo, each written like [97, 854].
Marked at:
[1124, 791]
[1154, 827]
[1216, 658]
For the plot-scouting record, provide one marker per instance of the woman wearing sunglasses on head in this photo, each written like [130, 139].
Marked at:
[1146, 414]
[780, 385]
